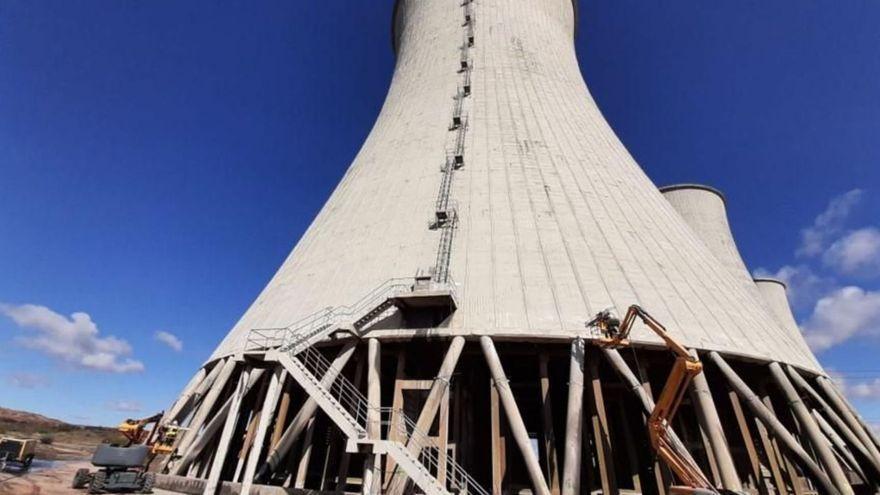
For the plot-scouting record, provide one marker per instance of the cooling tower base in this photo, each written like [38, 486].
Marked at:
[543, 418]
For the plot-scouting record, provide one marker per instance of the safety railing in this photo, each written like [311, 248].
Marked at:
[307, 329]
[398, 427]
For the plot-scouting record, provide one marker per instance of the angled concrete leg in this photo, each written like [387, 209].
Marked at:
[371, 483]
[298, 425]
[574, 421]
[811, 430]
[868, 460]
[514, 419]
[211, 429]
[226, 436]
[848, 416]
[753, 402]
[266, 414]
[432, 405]
[707, 415]
[214, 388]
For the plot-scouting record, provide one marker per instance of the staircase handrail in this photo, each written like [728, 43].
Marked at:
[357, 407]
[313, 324]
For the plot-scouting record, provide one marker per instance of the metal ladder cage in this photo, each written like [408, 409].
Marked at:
[356, 407]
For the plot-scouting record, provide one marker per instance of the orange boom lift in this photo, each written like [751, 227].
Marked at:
[615, 334]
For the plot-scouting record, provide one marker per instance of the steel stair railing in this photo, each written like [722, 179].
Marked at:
[351, 407]
[318, 325]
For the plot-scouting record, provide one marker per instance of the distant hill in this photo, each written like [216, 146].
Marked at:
[58, 440]
[34, 420]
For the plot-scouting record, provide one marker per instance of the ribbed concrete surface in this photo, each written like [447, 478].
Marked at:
[703, 208]
[557, 219]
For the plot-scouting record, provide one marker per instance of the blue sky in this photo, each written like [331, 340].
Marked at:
[158, 160]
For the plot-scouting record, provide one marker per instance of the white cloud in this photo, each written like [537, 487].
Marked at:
[125, 406]
[843, 314]
[169, 339]
[74, 341]
[857, 389]
[27, 380]
[857, 253]
[814, 239]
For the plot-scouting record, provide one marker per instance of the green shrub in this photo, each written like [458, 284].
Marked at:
[47, 439]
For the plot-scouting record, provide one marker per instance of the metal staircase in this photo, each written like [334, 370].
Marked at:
[323, 323]
[416, 453]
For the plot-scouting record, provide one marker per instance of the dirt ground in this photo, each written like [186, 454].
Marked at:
[46, 478]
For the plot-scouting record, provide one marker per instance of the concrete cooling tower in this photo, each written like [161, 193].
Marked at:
[427, 333]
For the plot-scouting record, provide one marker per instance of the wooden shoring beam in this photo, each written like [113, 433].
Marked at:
[250, 431]
[372, 463]
[811, 430]
[551, 463]
[514, 419]
[204, 409]
[226, 435]
[396, 406]
[439, 387]
[298, 425]
[574, 421]
[499, 453]
[211, 429]
[266, 412]
[851, 438]
[629, 442]
[774, 462]
[710, 423]
[601, 433]
[632, 383]
[283, 408]
[759, 483]
[308, 446]
[662, 476]
[767, 418]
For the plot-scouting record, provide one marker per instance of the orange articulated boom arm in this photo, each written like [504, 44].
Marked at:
[686, 367]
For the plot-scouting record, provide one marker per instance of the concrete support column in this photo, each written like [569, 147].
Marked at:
[268, 411]
[185, 399]
[219, 383]
[432, 404]
[574, 421]
[226, 436]
[707, 415]
[850, 418]
[371, 484]
[211, 429]
[514, 419]
[753, 402]
[292, 433]
[852, 439]
[811, 430]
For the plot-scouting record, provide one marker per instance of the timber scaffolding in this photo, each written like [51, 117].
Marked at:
[493, 416]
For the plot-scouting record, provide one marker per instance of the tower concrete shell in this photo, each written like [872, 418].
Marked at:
[556, 219]
[489, 214]
[704, 209]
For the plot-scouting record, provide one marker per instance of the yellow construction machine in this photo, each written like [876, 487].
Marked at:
[615, 334]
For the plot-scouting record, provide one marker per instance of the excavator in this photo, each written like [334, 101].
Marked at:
[615, 334]
[125, 468]
[160, 438]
